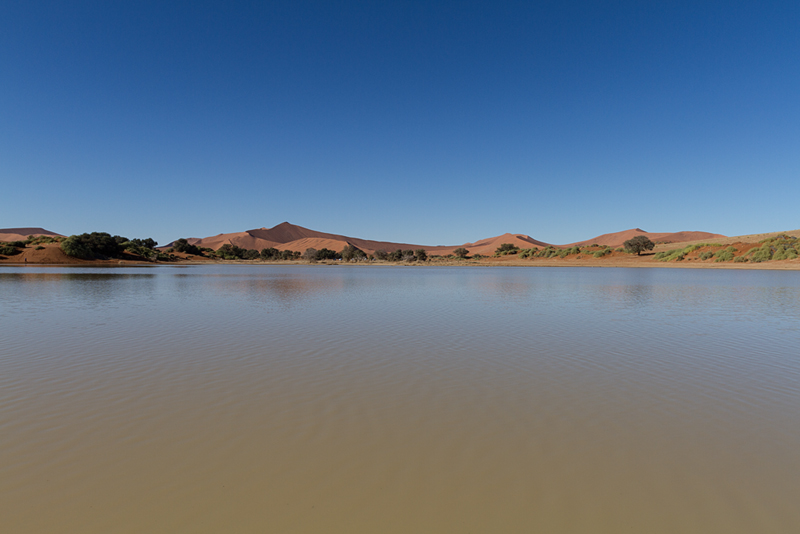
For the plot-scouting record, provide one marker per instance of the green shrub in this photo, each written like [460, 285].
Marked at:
[740, 259]
[505, 249]
[40, 247]
[676, 254]
[42, 239]
[763, 253]
[602, 252]
[725, 255]
[548, 252]
[707, 255]
[8, 250]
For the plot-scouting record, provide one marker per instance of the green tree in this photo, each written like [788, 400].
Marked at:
[270, 254]
[638, 244]
[94, 245]
[183, 245]
[421, 254]
[351, 252]
[460, 252]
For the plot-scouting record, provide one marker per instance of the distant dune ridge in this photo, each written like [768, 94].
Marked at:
[21, 234]
[618, 238]
[287, 236]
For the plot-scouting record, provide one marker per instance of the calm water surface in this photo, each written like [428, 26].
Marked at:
[349, 400]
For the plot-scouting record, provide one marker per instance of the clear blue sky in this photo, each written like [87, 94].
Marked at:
[423, 122]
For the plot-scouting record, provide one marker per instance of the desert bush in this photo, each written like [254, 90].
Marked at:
[421, 254]
[763, 253]
[505, 249]
[8, 250]
[725, 255]
[670, 255]
[528, 252]
[460, 252]
[740, 259]
[600, 253]
[707, 255]
[42, 239]
[381, 255]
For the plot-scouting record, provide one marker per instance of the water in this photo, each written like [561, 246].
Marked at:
[337, 399]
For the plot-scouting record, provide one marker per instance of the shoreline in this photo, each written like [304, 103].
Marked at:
[780, 265]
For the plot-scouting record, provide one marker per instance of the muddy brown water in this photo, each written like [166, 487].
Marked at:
[327, 399]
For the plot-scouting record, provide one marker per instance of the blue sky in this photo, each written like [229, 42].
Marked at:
[423, 122]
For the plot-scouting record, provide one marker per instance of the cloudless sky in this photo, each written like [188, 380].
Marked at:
[422, 122]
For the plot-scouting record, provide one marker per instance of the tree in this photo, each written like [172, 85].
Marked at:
[328, 254]
[183, 245]
[94, 245]
[270, 253]
[461, 252]
[351, 252]
[421, 254]
[381, 255]
[310, 255]
[638, 244]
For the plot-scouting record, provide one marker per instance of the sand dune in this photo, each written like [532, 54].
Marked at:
[287, 236]
[616, 239]
[21, 234]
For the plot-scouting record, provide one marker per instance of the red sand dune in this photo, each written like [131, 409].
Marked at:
[616, 239]
[487, 246]
[20, 234]
[286, 236]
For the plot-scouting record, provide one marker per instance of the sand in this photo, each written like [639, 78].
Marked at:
[616, 239]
